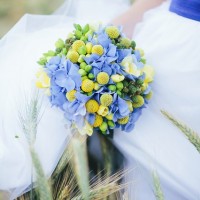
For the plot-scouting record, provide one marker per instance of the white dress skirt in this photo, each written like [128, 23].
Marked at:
[172, 46]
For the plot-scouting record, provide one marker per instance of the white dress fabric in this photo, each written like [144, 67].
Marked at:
[172, 46]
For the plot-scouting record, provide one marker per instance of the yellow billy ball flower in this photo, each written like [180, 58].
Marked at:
[130, 106]
[98, 121]
[126, 42]
[92, 106]
[77, 44]
[103, 110]
[102, 78]
[71, 95]
[149, 95]
[89, 47]
[87, 85]
[123, 120]
[43, 81]
[113, 32]
[106, 99]
[73, 56]
[117, 78]
[138, 101]
[97, 49]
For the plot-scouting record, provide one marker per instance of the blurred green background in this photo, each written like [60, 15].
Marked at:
[12, 10]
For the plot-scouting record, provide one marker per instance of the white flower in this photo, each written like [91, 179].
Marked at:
[130, 67]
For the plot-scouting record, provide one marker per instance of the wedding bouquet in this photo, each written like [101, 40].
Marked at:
[98, 78]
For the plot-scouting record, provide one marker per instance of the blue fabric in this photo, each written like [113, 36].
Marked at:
[186, 8]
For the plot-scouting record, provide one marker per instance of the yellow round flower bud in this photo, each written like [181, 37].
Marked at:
[106, 99]
[77, 44]
[73, 56]
[97, 49]
[103, 110]
[87, 85]
[126, 42]
[92, 106]
[130, 106]
[123, 120]
[71, 95]
[113, 32]
[102, 78]
[89, 47]
[98, 121]
[139, 103]
[149, 95]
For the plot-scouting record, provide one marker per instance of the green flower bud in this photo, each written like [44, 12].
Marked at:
[103, 127]
[78, 27]
[133, 44]
[82, 50]
[81, 59]
[90, 32]
[88, 68]
[84, 38]
[132, 89]
[49, 53]
[125, 83]
[89, 93]
[111, 124]
[120, 86]
[84, 78]
[83, 65]
[64, 51]
[82, 72]
[58, 50]
[139, 82]
[60, 44]
[78, 34]
[125, 90]
[86, 29]
[91, 76]
[42, 61]
[119, 93]
[143, 60]
[112, 88]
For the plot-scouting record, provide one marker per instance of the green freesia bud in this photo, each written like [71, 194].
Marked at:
[82, 72]
[139, 82]
[60, 44]
[86, 29]
[64, 51]
[90, 32]
[78, 34]
[49, 53]
[111, 124]
[88, 68]
[82, 50]
[125, 83]
[78, 27]
[42, 61]
[103, 127]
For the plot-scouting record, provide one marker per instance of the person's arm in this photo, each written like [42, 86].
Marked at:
[134, 15]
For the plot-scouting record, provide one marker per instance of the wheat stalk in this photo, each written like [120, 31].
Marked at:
[157, 187]
[192, 136]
